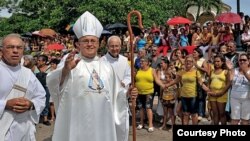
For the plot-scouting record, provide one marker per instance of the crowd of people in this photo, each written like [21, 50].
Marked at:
[201, 73]
[194, 69]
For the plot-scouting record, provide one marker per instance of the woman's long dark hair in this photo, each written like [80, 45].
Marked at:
[223, 60]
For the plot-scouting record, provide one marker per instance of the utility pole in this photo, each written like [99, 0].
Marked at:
[238, 6]
[237, 26]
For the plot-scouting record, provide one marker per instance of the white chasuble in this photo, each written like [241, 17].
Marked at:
[121, 67]
[19, 126]
[123, 71]
[91, 104]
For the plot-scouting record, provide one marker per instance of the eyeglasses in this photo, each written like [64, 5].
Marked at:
[86, 42]
[243, 60]
[13, 47]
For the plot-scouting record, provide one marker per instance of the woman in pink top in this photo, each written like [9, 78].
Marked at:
[226, 36]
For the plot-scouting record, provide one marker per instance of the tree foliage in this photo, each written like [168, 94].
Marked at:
[32, 15]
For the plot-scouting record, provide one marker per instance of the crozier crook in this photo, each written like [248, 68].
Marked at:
[138, 14]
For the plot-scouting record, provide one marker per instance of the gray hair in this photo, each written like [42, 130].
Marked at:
[29, 57]
[114, 37]
[12, 35]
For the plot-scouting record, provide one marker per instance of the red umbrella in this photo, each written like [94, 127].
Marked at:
[155, 30]
[228, 17]
[55, 46]
[178, 20]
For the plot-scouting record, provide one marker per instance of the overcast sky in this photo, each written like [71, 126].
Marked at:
[244, 7]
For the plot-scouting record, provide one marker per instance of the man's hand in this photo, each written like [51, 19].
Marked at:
[123, 85]
[133, 92]
[71, 62]
[19, 105]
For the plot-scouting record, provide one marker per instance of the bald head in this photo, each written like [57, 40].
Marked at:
[116, 38]
[114, 46]
[10, 36]
[231, 47]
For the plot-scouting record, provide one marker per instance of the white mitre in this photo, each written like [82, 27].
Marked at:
[87, 24]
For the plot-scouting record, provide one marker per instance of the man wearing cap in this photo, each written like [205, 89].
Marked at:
[91, 104]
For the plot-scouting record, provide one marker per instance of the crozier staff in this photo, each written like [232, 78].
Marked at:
[84, 112]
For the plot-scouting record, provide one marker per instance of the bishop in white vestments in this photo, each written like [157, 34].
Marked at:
[90, 101]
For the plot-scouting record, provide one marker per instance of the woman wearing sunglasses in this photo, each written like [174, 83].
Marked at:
[240, 93]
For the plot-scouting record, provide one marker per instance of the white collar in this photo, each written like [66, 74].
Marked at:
[13, 68]
[111, 57]
[96, 58]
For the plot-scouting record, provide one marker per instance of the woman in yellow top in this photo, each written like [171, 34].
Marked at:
[189, 77]
[144, 82]
[219, 85]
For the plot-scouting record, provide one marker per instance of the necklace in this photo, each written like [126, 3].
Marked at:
[95, 78]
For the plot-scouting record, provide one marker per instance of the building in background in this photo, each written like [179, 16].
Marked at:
[204, 14]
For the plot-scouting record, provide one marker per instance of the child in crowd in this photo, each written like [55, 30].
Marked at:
[177, 110]
[168, 100]
[223, 50]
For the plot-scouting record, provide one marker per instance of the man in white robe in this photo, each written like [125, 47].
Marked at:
[120, 66]
[22, 97]
[117, 61]
[90, 101]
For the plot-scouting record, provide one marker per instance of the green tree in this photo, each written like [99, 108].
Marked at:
[37, 14]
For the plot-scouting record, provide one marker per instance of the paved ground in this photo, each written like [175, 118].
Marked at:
[44, 133]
